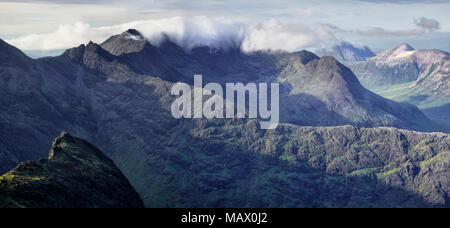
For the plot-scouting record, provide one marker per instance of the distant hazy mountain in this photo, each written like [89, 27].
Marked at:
[76, 174]
[398, 65]
[117, 95]
[394, 53]
[420, 77]
[347, 52]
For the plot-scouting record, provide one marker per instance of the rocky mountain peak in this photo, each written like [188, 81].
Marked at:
[130, 41]
[76, 53]
[400, 50]
[88, 52]
[404, 47]
[404, 53]
[328, 68]
[77, 174]
[134, 32]
[328, 63]
[304, 56]
[93, 47]
[61, 143]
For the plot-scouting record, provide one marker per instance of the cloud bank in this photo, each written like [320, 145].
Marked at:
[189, 33]
[220, 33]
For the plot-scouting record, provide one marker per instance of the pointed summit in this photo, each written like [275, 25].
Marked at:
[134, 32]
[394, 52]
[130, 41]
[329, 68]
[97, 49]
[304, 57]
[75, 54]
[87, 52]
[404, 47]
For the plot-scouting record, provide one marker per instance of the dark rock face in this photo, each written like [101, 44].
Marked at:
[75, 175]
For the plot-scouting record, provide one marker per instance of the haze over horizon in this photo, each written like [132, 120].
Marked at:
[43, 28]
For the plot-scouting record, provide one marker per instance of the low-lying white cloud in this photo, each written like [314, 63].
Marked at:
[188, 33]
[275, 35]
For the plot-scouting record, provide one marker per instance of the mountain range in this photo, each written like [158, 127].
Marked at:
[333, 95]
[403, 74]
[401, 64]
[117, 95]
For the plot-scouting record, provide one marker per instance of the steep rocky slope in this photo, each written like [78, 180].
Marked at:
[76, 174]
[323, 92]
[37, 102]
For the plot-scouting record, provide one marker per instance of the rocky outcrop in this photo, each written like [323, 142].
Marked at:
[75, 175]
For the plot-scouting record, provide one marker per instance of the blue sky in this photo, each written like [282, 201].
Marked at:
[379, 24]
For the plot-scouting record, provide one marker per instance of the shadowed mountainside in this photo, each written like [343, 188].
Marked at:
[341, 97]
[304, 167]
